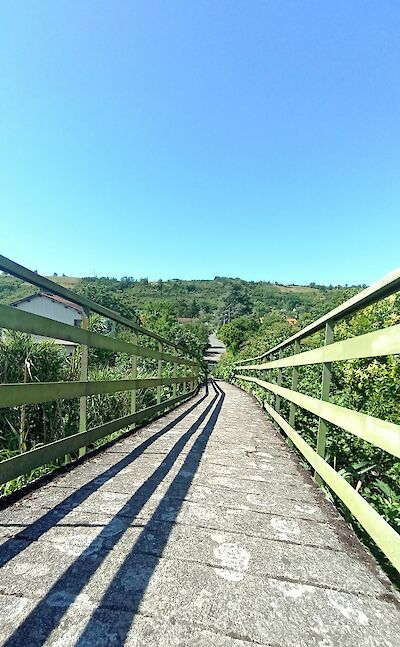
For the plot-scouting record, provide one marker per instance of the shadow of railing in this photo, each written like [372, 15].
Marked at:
[123, 586]
[11, 548]
[44, 618]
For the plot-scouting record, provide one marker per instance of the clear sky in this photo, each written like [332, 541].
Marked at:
[196, 138]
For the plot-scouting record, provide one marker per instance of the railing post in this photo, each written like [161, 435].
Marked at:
[134, 376]
[84, 378]
[185, 371]
[295, 379]
[267, 376]
[191, 374]
[159, 372]
[279, 383]
[175, 375]
[325, 386]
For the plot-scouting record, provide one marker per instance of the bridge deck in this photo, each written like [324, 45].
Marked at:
[201, 529]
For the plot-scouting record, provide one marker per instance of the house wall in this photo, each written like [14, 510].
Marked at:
[53, 310]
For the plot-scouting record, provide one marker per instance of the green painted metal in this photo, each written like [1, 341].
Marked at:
[24, 463]
[134, 377]
[295, 379]
[159, 372]
[325, 387]
[279, 383]
[269, 395]
[84, 378]
[383, 535]
[175, 375]
[381, 433]
[13, 395]
[186, 378]
[374, 344]
[15, 319]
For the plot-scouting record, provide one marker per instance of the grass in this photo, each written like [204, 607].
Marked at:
[65, 281]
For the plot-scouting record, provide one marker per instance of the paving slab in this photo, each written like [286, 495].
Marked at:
[199, 529]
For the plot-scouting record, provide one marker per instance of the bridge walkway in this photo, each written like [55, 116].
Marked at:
[200, 529]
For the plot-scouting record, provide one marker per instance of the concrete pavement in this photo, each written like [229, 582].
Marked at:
[201, 529]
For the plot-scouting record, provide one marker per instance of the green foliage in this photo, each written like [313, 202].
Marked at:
[235, 333]
[160, 318]
[235, 303]
[250, 336]
[218, 300]
[108, 294]
[225, 369]
[23, 428]
[12, 289]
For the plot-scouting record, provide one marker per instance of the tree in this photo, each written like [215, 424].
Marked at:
[235, 303]
[235, 333]
[98, 291]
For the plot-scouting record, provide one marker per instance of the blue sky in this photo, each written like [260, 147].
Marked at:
[198, 138]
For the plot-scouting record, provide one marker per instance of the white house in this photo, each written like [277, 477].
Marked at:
[52, 307]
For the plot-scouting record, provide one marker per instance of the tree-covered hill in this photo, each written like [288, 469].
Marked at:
[220, 300]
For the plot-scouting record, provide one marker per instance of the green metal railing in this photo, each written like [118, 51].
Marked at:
[12, 395]
[380, 433]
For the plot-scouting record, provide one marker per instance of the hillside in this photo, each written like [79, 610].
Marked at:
[221, 299]
[69, 282]
[12, 289]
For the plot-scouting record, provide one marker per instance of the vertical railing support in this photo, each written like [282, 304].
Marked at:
[279, 383]
[295, 379]
[175, 375]
[192, 372]
[159, 373]
[185, 371]
[271, 379]
[134, 376]
[268, 376]
[325, 387]
[84, 378]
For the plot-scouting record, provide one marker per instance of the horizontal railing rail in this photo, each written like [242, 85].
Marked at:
[379, 433]
[16, 319]
[29, 392]
[24, 463]
[374, 344]
[14, 395]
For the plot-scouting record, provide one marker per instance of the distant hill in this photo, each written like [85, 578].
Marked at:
[193, 298]
[66, 281]
[12, 289]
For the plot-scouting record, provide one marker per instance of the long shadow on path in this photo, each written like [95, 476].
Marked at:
[127, 589]
[11, 548]
[48, 613]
